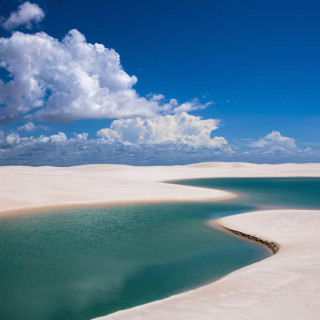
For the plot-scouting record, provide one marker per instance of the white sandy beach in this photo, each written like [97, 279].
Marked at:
[284, 286]
[26, 189]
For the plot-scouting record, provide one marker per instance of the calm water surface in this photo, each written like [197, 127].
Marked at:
[85, 263]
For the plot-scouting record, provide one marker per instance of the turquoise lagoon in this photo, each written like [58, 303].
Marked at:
[84, 263]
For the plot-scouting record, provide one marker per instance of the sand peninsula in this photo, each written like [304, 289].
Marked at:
[283, 286]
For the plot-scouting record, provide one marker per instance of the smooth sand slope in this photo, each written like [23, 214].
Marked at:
[284, 286]
[24, 189]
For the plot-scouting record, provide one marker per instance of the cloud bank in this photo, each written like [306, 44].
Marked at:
[171, 139]
[60, 150]
[26, 14]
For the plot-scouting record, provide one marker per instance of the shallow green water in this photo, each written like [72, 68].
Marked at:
[81, 264]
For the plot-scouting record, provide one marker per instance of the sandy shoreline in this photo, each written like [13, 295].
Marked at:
[31, 189]
[283, 286]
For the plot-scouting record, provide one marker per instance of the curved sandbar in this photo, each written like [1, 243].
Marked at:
[283, 286]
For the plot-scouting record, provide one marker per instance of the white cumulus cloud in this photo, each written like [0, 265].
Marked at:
[191, 106]
[62, 81]
[59, 137]
[275, 147]
[274, 141]
[29, 126]
[180, 128]
[26, 14]
[12, 139]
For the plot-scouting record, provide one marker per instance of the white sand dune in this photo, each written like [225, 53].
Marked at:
[24, 189]
[284, 286]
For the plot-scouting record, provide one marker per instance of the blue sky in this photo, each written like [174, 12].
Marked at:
[252, 65]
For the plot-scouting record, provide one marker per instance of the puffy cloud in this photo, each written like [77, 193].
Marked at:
[180, 128]
[26, 14]
[9, 141]
[275, 148]
[191, 106]
[62, 81]
[82, 136]
[12, 139]
[29, 126]
[60, 137]
[274, 141]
